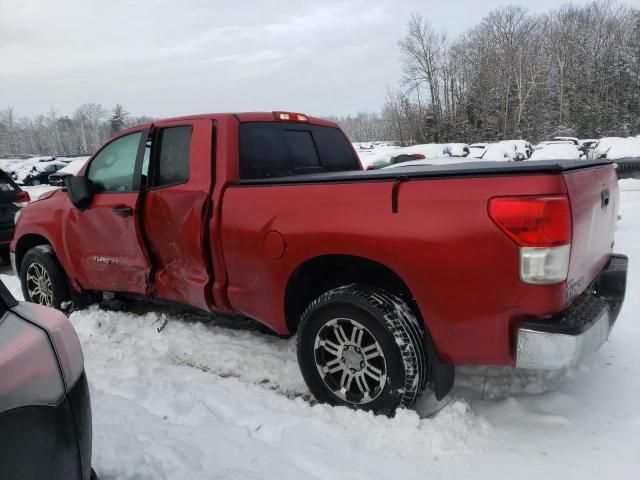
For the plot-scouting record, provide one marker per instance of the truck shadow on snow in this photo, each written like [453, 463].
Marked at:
[240, 348]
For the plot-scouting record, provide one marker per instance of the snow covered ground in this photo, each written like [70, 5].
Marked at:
[215, 400]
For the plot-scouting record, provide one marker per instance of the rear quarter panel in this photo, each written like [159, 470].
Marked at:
[461, 269]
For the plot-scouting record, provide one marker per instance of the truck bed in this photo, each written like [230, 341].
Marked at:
[467, 169]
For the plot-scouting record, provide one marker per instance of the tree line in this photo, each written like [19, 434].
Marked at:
[574, 70]
[90, 125]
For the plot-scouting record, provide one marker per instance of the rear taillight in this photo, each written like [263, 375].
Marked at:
[418, 156]
[372, 167]
[533, 221]
[290, 117]
[541, 227]
[22, 198]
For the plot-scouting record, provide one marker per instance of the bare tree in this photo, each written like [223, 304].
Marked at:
[7, 117]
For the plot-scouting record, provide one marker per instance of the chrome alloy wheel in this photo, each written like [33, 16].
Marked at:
[350, 361]
[39, 285]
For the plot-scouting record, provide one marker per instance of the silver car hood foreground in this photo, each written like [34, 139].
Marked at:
[40, 356]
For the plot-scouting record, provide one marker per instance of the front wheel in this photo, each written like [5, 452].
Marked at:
[362, 347]
[42, 278]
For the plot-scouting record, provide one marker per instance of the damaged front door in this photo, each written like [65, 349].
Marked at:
[104, 241]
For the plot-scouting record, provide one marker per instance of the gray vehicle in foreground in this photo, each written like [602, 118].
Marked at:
[45, 411]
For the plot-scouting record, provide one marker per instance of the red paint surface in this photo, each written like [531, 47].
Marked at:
[210, 247]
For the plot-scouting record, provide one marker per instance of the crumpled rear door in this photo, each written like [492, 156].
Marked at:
[175, 216]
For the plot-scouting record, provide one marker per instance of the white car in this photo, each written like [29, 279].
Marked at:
[602, 147]
[573, 140]
[457, 150]
[624, 148]
[476, 150]
[556, 151]
[523, 149]
[499, 152]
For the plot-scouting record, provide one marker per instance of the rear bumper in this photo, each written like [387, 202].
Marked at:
[566, 339]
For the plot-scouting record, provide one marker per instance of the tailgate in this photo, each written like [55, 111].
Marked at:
[594, 197]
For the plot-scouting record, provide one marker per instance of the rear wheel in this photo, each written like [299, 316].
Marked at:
[362, 347]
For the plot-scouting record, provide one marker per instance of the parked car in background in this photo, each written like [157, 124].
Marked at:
[433, 162]
[587, 144]
[402, 158]
[57, 179]
[557, 151]
[553, 142]
[573, 140]
[45, 410]
[499, 152]
[601, 148]
[457, 150]
[523, 149]
[618, 148]
[476, 150]
[12, 198]
[406, 157]
[39, 175]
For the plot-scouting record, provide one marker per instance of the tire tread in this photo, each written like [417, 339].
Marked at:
[398, 319]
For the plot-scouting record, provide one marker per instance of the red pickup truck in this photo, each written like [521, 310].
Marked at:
[390, 277]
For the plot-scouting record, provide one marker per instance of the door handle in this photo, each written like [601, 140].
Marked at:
[123, 211]
[604, 198]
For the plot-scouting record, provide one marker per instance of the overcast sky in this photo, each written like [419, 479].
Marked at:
[166, 58]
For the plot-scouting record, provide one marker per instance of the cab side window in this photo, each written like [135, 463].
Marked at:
[112, 170]
[172, 157]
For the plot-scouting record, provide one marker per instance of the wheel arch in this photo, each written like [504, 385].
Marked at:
[26, 243]
[320, 274]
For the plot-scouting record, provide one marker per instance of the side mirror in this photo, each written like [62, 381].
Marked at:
[80, 190]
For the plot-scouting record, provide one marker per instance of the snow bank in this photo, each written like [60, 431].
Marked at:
[203, 401]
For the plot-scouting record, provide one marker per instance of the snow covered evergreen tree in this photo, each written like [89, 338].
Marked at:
[119, 119]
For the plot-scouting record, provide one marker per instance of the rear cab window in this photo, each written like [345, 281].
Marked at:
[278, 149]
[174, 146]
